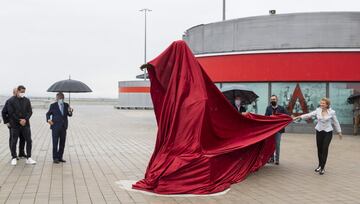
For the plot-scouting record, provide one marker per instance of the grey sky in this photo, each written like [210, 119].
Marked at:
[101, 41]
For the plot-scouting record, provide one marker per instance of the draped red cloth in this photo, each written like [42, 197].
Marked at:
[203, 144]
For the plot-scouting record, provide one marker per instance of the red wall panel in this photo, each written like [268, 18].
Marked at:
[138, 89]
[311, 66]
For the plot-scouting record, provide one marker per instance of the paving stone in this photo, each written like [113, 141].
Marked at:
[105, 145]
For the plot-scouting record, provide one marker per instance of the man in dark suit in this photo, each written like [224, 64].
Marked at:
[238, 106]
[6, 119]
[273, 109]
[20, 112]
[57, 117]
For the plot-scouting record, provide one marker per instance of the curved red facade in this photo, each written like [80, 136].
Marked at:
[295, 66]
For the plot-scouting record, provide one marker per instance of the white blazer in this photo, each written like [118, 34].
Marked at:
[324, 123]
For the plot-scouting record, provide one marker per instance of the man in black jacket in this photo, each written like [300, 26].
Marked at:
[20, 111]
[57, 117]
[6, 119]
[273, 109]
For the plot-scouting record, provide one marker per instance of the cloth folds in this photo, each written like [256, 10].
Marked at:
[203, 144]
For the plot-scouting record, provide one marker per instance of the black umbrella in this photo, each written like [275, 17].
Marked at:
[69, 86]
[352, 98]
[246, 94]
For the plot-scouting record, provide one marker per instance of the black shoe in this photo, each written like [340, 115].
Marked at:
[318, 169]
[17, 158]
[322, 171]
[56, 161]
[61, 160]
[277, 162]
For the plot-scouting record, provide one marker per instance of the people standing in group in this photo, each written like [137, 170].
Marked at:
[238, 105]
[20, 112]
[57, 117]
[6, 119]
[273, 109]
[324, 130]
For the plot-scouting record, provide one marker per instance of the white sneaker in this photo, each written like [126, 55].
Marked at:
[30, 161]
[14, 162]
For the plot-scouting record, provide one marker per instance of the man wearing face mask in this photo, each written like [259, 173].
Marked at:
[237, 104]
[20, 111]
[57, 117]
[273, 109]
[6, 119]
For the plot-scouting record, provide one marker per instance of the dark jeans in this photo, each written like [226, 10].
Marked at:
[323, 140]
[24, 134]
[58, 139]
[276, 155]
[21, 144]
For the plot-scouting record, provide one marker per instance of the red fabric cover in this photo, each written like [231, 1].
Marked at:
[203, 144]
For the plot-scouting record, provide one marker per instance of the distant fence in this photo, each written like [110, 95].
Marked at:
[44, 102]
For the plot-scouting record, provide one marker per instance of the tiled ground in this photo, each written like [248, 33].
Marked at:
[105, 145]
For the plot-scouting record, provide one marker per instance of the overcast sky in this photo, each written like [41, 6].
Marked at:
[101, 42]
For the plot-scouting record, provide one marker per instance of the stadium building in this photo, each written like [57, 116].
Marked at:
[300, 57]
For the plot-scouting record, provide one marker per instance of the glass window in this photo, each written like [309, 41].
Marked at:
[218, 85]
[339, 93]
[261, 89]
[299, 98]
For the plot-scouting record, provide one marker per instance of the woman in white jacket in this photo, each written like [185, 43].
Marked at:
[325, 118]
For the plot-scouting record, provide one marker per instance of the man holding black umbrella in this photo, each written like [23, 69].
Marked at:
[238, 105]
[239, 96]
[57, 117]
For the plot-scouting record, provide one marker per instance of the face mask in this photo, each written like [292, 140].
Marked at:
[61, 100]
[22, 95]
[273, 103]
[237, 102]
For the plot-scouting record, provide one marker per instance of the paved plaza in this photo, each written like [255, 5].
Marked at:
[105, 145]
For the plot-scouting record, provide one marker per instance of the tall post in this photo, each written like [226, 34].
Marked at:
[145, 10]
[224, 10]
